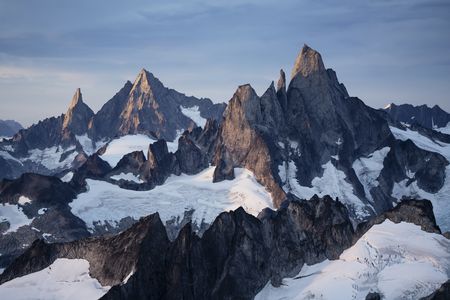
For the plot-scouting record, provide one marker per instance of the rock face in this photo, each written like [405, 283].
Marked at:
[190, 158]
[234, 259]
[325, 121]
[246, 136]
[288, 137]
[78, 118]
[47, 208]
[428, 117]
[94, 167]
[160, 164]
[148, 107]
[441, 294]
[9, 127]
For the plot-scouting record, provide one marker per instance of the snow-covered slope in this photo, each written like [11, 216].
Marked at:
[64, 279]
[400, 261]
[333, 182]
[14, 215]
[445, 129]
[440, 200]
[117, 148]
[368, 169]
[107, 202]
[194, 114]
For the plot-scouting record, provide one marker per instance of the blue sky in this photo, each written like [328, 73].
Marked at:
[383, 51]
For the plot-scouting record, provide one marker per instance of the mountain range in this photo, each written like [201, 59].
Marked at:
[168, 196]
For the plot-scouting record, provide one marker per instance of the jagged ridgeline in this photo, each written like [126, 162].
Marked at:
[312, 168]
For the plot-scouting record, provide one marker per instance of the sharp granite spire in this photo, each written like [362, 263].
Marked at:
[78, 115]
[308, 61]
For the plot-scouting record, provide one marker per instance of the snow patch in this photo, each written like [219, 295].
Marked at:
[193, 113]
[51, 157]
[445, 129]
[24, 200]
[117, 148]
[42, 211]
[368, 169]
[63, 279]
[89, 147]
[332, 183]
[107, 202]
[13, 214]
[399, 261]
[127, 177]
[68, 177]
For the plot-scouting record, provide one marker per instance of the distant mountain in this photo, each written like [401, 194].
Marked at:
[9, 127]
[428, 117]
[144, 107]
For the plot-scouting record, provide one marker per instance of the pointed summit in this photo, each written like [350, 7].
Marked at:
[281, 84]
[77, 98]
[78, 115]
[281, 90]
[146, 82]
[308, 62]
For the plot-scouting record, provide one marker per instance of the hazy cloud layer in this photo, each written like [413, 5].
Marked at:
[382, 50]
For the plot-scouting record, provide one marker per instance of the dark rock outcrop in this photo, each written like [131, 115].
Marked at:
[223, 171]
[47, 206]
[191, 158]
[160, 164]
[428, 117]
[443, 293]
[94, 167]
[130, 163]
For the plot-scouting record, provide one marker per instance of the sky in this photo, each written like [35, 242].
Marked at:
[382, 50]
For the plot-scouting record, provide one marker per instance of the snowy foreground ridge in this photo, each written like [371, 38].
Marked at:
[385, 260]
[64, 279]
[399, 261]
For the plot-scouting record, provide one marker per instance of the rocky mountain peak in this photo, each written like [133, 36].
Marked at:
[146, 82]
[281, 84]
[245, 105]
[76, 99]
[78, 115]
[309, 61]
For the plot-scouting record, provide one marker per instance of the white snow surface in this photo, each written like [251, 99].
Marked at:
[368, 169]
[441, 205]
[400, 261]
[193, 113]
[107, 202]
[50, 157]
[68, 177]
[63, 279]
[14, 215]
[117, 148]
[332, 183]
[445, 129]
[89, 147]
[128, 177]
[24, 200]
